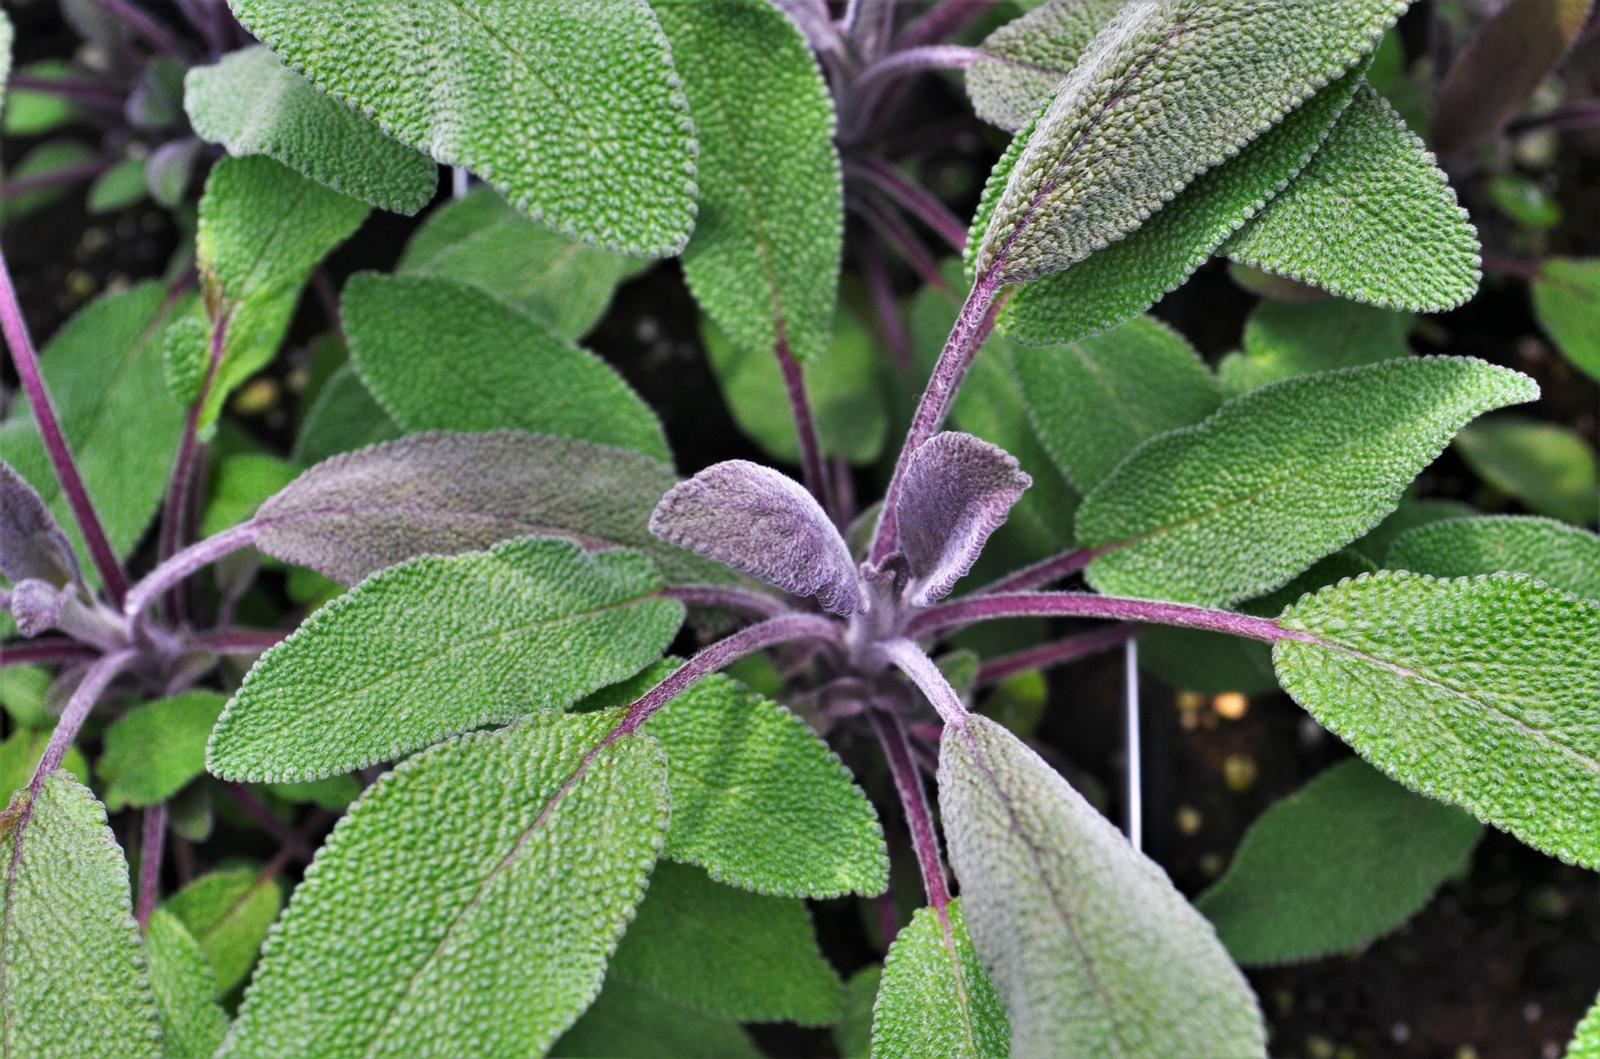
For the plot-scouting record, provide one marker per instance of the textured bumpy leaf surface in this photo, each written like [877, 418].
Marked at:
[20, 754]
[628, 1021]
[251, 103]
[1586, 1039]
[957, 490]
[263, 228]
[1319, 873]
[1554, 552]
[66, 892]
[1094, 400]
[442, 356]
[423, 929]
[758, 799]
[438, 646]
[1089, 945]
[482, 241]
[1477, 691]
[1370, 218]
[228, 912]
[103, 370]
[1410, 514]
[1285, 339]
[764, 258]
[1021, 64]
[764, 523]
[192, 1024]
[440, 494]
[1137, 120]
[1238, 504]
[571, 108]
[1549, 467]
[934, 998]
[153, 751]
[727, 953]
[1566, 299]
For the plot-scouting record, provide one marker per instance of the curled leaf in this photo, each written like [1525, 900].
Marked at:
[32, 544]
[957, 490]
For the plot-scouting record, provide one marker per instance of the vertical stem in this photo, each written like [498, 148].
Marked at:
[914, 800]
[944, 21]
[913, 198]
[805, 424]
[181, 490]
[151, 842]
[94, 684]
[876, 277]
[55, 442]
[145, 26]
[1130, 691]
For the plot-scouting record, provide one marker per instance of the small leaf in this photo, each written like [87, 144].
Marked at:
[250, 103]
[957, 490]
[1566, 299]
[20, 754]
[1318, 873]
[765, 524]
[1586, 1038]
[1285, 339]
[1121, 137]
[727, 953]
[263, 228]
[934, 998]
[1092, 949]
[30, 112]
[342, 418]
[1371, 218]
[400, 940]
[441, 356]
[764, 258]
[628, 1021]
[66, 891]
[1020, 65]
[32, 544]
[44, 163]
[185, 358]
[1550, 468]
[1479, 692]
[152, 752]
[37, 605]
[571, 108]
[334, 793]
[228, 912]
[1094, 400]
[480, 240]
[1561, 555]
[438, 646]
[758, 799]
[441, 494]
[118, 187]
[192, 1023]
[1240, 503]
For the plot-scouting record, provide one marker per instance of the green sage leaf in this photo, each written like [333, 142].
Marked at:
[934, 998]
[192, 1023]
[1554, 552]
[1549, 467]
[1566, 299]
[154, 751]
[228, 911]
[1285, 339]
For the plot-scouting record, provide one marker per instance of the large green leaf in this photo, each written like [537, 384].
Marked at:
[192, 1023]
[1549, 467]
[1566, 299]
[1285, 339]
[72, 976]
[1094, 400]
[263, 228]
[934, 998]
[1240, 503]
[1370, 218]
[467, 904]
[1092, 949]
[628, 1021]
[764, 258]
[727, 953]
[758, 799]
[570, 107]
[482, 241]
[438, 646]
[440, 355]
[153, 751]
[1561, 555]
[1477, 691]
[1125, 132]
[251, 103]
[228, 912]
[1318, 872]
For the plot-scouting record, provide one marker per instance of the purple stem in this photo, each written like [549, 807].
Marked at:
[152, 840]
[876, 277]
[258, 811]
[732, 600]
[1043, 572]
[55, 178]
[238, 641]
[184, 474]
[914, 801]
[805, 425]
[145, 26]
[912, 60]
[914, 662]
[191, 559]
[45, 652]
[944, 21]
[972, 326]
[969, 611]
[893, 231]
[1056, 653]
[1582, 115]
[77, 91]
[912, 198]
[55, 442]
[84, 697]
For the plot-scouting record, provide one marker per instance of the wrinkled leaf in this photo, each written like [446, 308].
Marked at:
[153, 751]
[228, 912]
[1586, 1038]
[1558, 554]
[1549, 467]
[934, 998]
[1021, 64]
[957, 490]
[1410, 514]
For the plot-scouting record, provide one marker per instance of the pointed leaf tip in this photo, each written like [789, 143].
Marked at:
[761, 522]
[32, 544]
[958, 490]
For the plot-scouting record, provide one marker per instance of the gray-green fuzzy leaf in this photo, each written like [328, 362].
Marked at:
[1477, 691]
[482, 241]
[1021, 64]
[1554, 552]
[192, 1023]
[438, 646]
[153, 751]
[1094, 400]
[1240, 503]
[1092, 949]
[228, 912]
[569, 107]
[934, 998]
[764, 258]
[423, 928]
[66, 892]
[1318, 873]
[251, 103]
[1371, 218]
[1125, 132]
[439, 355]
[1285, 339]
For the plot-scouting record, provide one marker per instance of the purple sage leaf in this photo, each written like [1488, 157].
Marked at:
[31, 543]
[37, 605]
[756, 520]
[957, 490]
